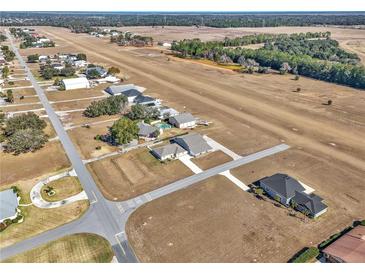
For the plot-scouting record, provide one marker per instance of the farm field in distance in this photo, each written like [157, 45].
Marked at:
[212, 220]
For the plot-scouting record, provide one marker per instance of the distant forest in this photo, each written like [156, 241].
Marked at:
[220, 20]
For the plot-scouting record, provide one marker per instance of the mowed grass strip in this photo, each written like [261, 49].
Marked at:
[64, 188]
[76, 248]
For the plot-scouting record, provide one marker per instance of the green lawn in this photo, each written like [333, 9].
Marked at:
[76, 248]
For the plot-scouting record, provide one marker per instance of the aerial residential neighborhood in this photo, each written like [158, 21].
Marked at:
[182, 137]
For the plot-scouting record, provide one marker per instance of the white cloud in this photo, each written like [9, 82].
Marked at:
[183, 5]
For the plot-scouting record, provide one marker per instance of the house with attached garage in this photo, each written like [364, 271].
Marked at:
[170, 151]
[131, 91]
[289, 191]
[193, 143]
[183, 120]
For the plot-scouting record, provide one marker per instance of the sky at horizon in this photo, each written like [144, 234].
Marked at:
[183, 5]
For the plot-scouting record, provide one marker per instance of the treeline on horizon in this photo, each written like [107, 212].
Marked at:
[205, 19]
[313, 55]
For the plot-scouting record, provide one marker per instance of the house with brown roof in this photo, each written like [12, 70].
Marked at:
[349, 248]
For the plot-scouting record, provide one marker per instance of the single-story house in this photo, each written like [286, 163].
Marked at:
[80, 63]
[147, 131]
[167, 112]
[75, 83]
[291, 192]
[8, 205]
[147, 100]
[99, 70]
[58, 66]
[42, 58]
[349, 248]
[183, 120]
[170, 151]
[128, 91]
[282, 186]
[194, 143]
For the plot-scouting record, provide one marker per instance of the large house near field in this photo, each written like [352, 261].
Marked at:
[349, 248]
[75, 83]
[194, 144]
[289, 191]
[170, 151]
[8, 205]
[147, 101]
[183, 120]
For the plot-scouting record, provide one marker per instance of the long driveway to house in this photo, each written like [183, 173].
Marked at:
[104, 217]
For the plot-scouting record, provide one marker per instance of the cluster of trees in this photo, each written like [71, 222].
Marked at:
[324, 49]
[301, 64]
[130, 39]
[5, 72]
[33, 58]
[28, 40]
[108, 106]
[9, 55]
[48, 72]
[24, 133]
[142, 112]
[81, 21]
[123, 131]
[2, 37]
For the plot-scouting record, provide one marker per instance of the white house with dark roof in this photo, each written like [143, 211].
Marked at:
[183, 120]
[193, 143]
[8, 205]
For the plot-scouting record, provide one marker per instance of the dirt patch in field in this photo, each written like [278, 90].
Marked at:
[24, 92]
[85, 143]
[134, 173]
[211, 159]
[55, 96]
[80, 104]
[48, 159]
[17, 83]
[11, 108]
[78, 118]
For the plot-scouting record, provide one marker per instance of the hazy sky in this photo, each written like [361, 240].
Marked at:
[183, 5]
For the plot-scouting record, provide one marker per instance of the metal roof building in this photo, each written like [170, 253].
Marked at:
[8, 204]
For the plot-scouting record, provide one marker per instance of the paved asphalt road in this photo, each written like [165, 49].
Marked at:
[104, 217]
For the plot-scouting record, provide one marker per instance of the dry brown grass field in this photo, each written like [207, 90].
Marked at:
[83, 138]
[249, 113]
[76, 248]
[211, 160]
[134, 173]
[48, 159]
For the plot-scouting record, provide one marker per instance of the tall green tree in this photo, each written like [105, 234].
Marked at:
[124, 131]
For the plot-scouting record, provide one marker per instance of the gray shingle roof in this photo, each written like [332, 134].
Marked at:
[167, 150]
[8, 203]
[100, 70]
[312, 202]
[127, 90]
[194, 143]
[146, 129]
[183, 118]
[140, 99]
[283, 184]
